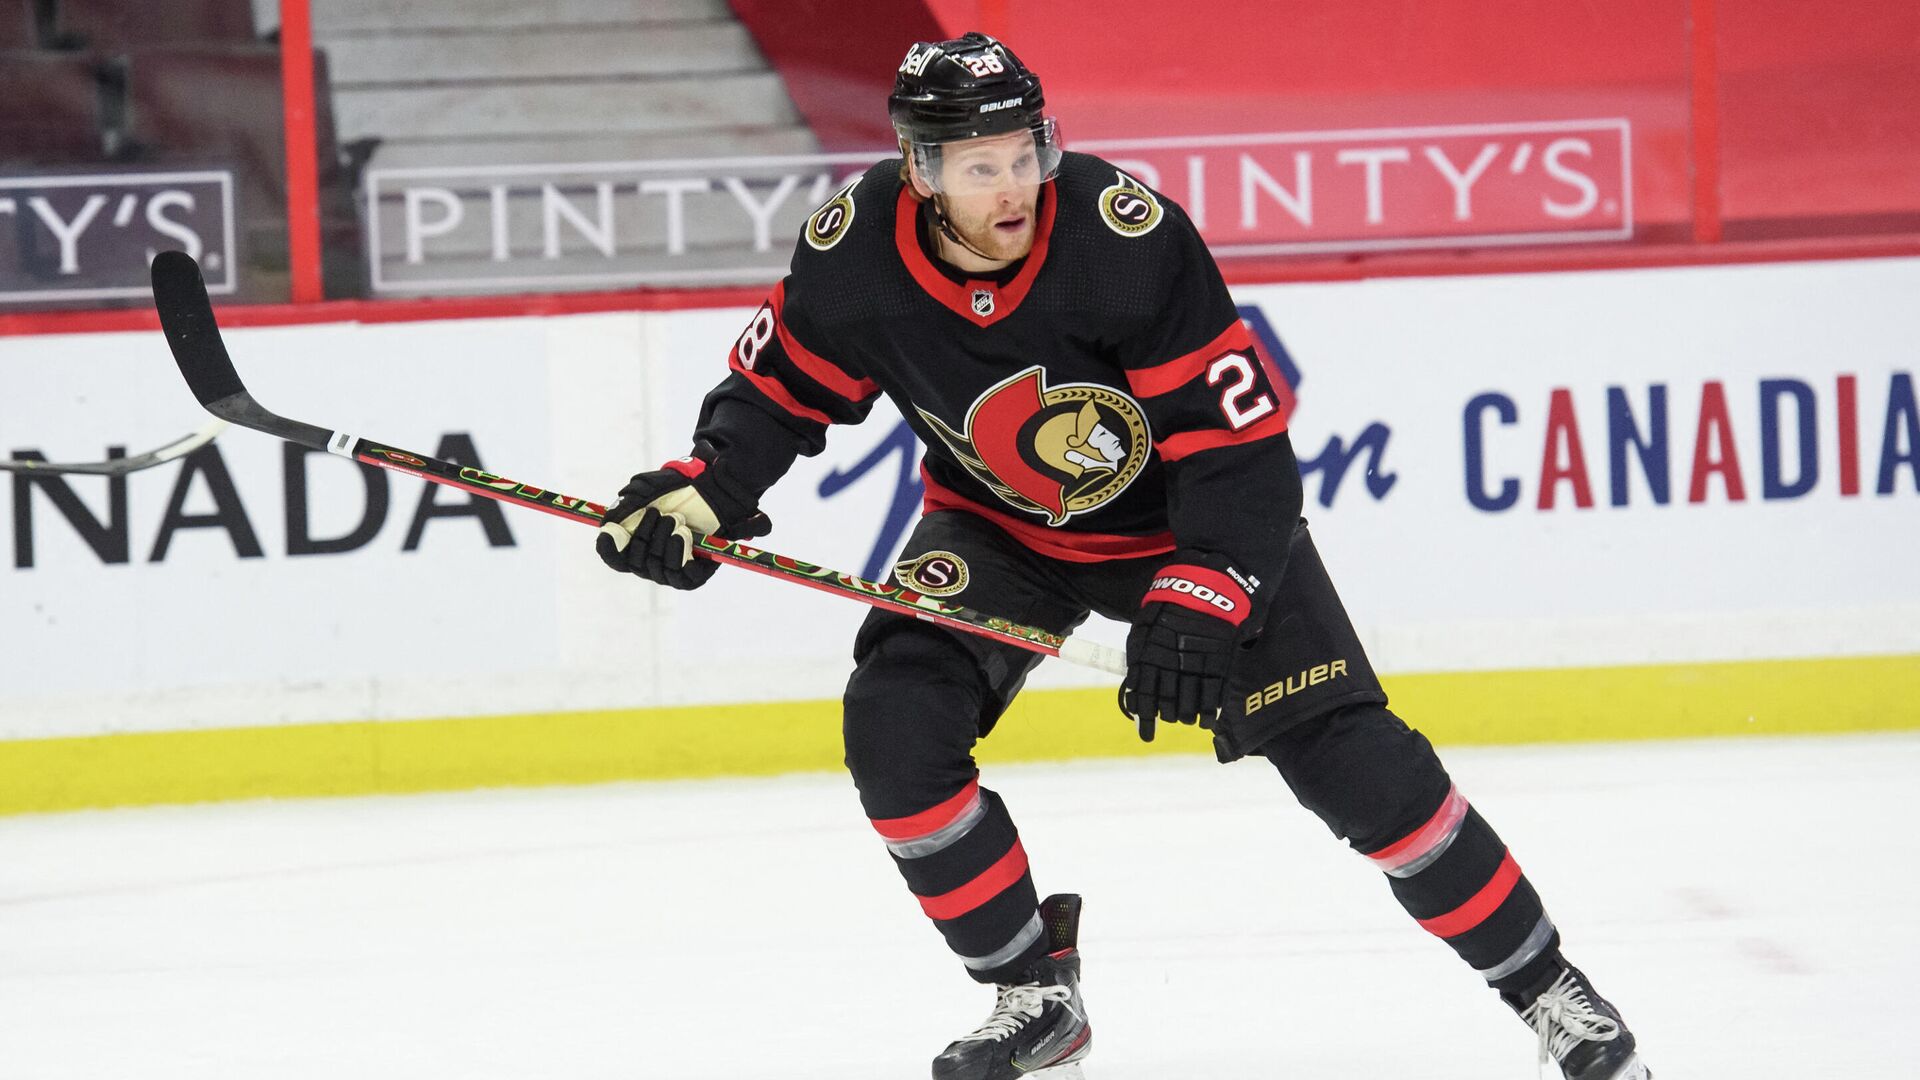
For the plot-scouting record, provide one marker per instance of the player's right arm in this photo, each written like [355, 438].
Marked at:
[779, 397]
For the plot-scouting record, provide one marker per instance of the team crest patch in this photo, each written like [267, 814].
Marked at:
[1129, 208]
[983, 302]
[1052, 450]
[831, 222]
[937, 573]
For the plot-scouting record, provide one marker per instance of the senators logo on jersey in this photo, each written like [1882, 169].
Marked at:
[831, 222]
[1129, 208]
[1053, 450]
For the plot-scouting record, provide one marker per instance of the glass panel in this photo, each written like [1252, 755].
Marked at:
[497, 146]
[128, 127]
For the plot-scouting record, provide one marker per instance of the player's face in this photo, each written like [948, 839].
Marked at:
[992, 188]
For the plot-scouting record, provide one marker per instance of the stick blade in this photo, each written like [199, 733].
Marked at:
[186, 315]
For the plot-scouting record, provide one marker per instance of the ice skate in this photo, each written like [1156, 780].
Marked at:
[1038, 1027]
[1578, 1029]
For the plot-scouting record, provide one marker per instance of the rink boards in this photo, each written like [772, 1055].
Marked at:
[1598, 505]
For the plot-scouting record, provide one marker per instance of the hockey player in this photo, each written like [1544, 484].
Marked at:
[1100, 436]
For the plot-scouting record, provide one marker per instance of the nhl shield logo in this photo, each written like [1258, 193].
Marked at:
[1051, 450]
[983, 302]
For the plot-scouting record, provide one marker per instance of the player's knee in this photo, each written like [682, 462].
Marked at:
[912, 707]
[1368, 776]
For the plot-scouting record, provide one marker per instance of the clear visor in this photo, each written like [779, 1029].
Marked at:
[1017, 159]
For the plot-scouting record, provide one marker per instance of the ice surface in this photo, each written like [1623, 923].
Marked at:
[1748, 903]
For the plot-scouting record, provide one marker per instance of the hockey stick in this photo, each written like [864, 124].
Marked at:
[186, 314]
[120, 466]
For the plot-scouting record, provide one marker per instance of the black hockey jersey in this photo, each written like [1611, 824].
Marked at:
[1102, 401]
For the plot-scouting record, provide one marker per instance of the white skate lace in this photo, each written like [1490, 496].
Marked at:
[1564, 1018]
[1015, 1006]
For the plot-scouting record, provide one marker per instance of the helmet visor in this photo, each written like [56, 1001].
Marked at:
[992, 163]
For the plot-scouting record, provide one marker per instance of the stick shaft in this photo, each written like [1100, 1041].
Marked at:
[735, 553]
[186, 314]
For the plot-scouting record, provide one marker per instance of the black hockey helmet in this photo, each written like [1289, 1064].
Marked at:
[968, 87]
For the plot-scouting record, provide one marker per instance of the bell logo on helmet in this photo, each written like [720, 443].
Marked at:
[918, 59]
[1129, 208]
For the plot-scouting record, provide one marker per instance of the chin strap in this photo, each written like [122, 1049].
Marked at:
[941, 222]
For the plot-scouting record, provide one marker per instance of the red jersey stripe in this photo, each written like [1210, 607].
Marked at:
[774, 391]
[1187, 443]
[1079, 547]
[930, 820]
[817, 367]
[1482, 904]
[993, 881]
[1164, 378]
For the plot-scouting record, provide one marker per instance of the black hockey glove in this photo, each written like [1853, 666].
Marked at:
[1182, 644]
[649, 532]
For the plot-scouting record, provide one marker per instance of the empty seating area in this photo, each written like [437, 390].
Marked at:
[137, 86]
[98, 82]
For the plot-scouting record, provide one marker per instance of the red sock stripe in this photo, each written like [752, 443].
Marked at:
[1475, 911]
[1444, 823]
[930, 821]
[995, 880]
[1208, 591]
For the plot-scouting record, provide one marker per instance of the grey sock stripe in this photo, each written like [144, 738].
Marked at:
[1432, 855]
[943, 837]
[1006, 954]
[1529, 949]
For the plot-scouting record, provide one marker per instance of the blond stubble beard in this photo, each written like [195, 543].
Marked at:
[989, 240]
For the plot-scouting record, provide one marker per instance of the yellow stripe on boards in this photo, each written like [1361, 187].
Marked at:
[1564, 704]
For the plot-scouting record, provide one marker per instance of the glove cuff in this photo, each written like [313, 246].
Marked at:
[1199, 588]
[728, 507]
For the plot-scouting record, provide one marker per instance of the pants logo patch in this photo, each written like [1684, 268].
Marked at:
[937, 573]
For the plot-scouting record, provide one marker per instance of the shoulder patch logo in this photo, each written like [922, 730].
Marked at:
[831, 222]
[1129, 208]
[937, 573]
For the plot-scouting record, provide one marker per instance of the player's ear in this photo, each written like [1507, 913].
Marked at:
[920, 186]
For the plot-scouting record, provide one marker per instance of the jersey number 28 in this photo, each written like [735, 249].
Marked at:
[758, 333]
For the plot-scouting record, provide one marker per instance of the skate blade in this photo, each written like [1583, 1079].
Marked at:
[1632, 1069]
[1068, 1071]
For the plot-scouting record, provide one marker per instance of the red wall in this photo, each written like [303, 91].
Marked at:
[1819, 104]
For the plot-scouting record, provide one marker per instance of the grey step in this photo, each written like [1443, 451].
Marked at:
[337, 16]
[714, 220]
[677, 104]
[546, 53]
[570, 150]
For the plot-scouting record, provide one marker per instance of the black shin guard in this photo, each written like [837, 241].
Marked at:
[1378, 785]
[916, 704]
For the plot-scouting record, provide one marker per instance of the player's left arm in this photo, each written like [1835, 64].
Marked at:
[1233, 490]
[1219, 423]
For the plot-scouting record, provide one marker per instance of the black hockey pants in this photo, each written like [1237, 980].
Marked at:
[1301, 694]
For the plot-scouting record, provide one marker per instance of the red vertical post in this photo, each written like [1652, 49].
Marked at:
[303, 167]
[1705, 41]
